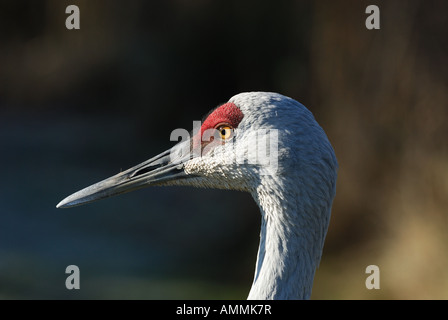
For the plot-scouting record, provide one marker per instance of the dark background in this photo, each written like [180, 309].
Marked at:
[77, 106]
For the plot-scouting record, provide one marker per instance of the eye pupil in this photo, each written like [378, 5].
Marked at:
[225, 132]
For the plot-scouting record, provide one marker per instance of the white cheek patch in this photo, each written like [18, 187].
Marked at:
[204, 166]
[213, 174]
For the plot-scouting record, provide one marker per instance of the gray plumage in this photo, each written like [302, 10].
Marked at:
[294, 184]
[295, 200]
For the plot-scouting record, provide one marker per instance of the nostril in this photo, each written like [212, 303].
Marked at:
[143, 171]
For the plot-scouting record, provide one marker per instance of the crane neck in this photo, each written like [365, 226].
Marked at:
[291, 241]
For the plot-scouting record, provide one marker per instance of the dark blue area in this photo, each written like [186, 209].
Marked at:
[154, 237]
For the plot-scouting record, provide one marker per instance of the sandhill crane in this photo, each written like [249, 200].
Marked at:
[293, 182]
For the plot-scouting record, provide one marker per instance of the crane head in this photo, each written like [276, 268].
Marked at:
[254, 134]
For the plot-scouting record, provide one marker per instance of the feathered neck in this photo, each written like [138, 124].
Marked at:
[291, 241]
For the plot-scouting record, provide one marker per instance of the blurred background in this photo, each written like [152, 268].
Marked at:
[77, 106]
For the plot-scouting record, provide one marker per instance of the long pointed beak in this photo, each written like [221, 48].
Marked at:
[164, 167]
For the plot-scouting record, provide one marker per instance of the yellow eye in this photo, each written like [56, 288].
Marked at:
[225, 132]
